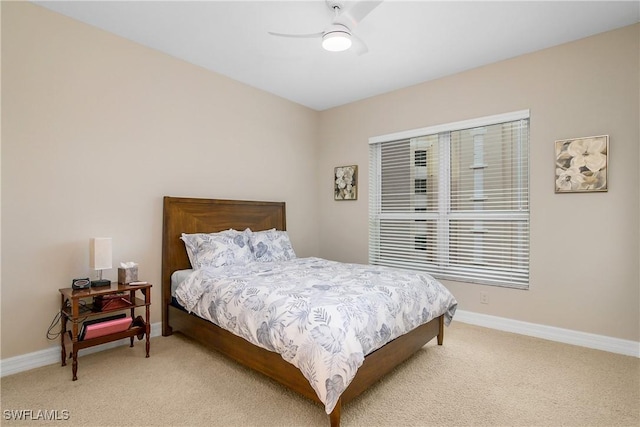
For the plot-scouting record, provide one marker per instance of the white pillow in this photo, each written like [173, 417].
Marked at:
[227, 247]
[271, 245]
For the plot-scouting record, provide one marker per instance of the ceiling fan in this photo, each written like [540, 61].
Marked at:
[338, 36]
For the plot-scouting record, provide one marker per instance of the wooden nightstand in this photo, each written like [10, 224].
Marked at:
[77, 306]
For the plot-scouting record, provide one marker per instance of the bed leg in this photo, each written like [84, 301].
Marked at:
[166, 330]
[441, 330]
[334, 417]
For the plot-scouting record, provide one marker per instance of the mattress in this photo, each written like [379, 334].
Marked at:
[178, 277]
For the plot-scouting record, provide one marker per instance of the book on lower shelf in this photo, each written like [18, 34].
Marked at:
[104, 326]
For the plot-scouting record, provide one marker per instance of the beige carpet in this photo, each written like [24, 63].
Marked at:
[480, 377]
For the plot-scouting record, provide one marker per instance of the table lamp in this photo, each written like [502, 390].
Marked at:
[100, 258]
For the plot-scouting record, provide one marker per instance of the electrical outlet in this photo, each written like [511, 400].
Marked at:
[484, 298]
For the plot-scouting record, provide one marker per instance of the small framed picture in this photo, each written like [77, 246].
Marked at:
[582, 164]
[345, 183]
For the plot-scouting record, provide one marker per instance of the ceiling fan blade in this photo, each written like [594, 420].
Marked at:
[298, 36]
[356, 13]
[359, 46]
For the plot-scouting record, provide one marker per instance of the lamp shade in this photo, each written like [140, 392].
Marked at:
[100, 253]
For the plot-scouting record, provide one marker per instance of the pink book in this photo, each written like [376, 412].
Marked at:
[108, 327]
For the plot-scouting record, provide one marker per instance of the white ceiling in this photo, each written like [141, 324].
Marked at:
[409, 41]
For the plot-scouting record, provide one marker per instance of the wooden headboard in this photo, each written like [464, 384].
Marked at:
[189, 215]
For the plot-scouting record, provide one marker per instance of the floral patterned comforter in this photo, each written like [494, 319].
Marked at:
[321, 316]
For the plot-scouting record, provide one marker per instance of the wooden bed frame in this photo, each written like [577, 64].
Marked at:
[189, 215]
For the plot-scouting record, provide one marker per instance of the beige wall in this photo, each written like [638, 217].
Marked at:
[96, 130]
[584, 247]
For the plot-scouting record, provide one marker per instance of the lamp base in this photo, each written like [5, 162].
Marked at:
[100, 282]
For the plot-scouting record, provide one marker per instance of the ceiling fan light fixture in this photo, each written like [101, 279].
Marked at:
[336, 41]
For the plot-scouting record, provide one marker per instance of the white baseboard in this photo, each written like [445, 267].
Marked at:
[566, 336]
[52, 355]
[13, 365]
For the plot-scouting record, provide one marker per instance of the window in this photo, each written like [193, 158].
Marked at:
[453, 200]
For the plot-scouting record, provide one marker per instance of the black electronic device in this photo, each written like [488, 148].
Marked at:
[100, 282]
[81, 283]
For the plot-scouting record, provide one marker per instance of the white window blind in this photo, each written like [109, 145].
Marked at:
[453, 200]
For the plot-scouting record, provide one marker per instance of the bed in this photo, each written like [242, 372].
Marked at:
[193, 215]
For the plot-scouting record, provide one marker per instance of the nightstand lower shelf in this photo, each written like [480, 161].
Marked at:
[70, 311]
[132, 332]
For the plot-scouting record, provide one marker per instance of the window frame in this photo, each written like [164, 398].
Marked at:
[443, 216]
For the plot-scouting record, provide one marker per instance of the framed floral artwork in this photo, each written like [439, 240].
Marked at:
[345, 183]
[582, 164]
